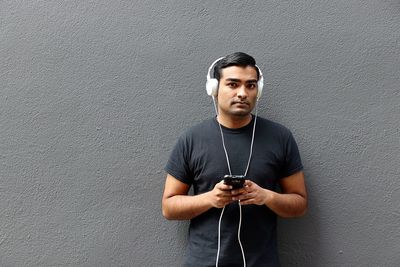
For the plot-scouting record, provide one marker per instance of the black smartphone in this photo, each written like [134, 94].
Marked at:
[236, 181]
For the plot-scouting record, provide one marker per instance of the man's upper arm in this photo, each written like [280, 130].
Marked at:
[294, 184]
[174, 187]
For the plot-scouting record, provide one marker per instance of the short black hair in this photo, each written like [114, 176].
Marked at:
[235, 59]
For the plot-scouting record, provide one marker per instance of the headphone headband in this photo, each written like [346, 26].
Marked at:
[211, 67]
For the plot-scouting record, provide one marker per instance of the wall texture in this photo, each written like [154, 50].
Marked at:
[95, 93]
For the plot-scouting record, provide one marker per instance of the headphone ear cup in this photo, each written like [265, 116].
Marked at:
[260, 85]
[212, 87]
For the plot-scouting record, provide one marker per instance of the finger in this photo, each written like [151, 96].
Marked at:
[245, 202]
[238, 191]
[241, 197]
[226, 187]
[224, 194]
[223, 186]
[247, 183]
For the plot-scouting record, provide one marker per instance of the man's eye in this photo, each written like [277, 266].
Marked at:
[251, 86]
[232, 85]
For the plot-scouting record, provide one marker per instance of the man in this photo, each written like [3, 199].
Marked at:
[234, 142]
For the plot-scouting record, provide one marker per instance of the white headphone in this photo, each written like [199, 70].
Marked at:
[212, 83]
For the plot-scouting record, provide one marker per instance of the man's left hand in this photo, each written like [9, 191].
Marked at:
[251, 193]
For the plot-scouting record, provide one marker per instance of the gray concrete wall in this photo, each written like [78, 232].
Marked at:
[95, 93]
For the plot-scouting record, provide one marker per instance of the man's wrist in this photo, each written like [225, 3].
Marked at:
[268, 197]
[205, 198]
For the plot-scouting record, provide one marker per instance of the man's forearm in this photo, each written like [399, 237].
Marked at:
[183, 207]
[286, 205]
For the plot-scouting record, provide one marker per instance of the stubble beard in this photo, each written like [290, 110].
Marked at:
[237, 115]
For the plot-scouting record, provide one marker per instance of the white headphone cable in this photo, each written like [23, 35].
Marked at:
[230, 172]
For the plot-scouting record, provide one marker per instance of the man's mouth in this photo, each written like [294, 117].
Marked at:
[240, 103]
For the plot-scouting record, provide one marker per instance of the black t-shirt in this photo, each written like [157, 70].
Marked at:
[198, 159]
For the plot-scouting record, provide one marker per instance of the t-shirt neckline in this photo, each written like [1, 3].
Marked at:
[235, 130]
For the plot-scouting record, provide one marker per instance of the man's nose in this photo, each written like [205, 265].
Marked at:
[242, 92]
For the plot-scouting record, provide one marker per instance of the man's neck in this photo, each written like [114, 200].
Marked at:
[234, 122]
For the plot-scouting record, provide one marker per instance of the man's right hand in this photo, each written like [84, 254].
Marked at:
[221, 195]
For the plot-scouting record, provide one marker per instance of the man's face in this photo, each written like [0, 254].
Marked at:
[237, 91]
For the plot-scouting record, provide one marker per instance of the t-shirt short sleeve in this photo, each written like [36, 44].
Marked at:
[292, 161]
[178, 163]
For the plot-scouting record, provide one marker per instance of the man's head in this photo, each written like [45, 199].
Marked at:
[237, 85]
